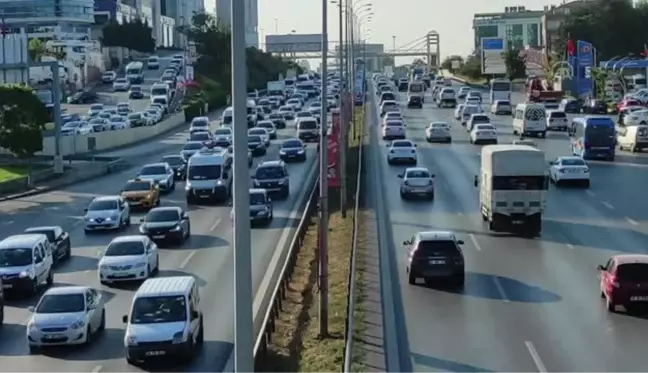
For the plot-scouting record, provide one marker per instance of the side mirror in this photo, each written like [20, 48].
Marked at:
[601, 268]
[405, 243]
[433, 176]
[32, 309]
[460, 242]
[141, 220]
[551, 163]
[476, 181]
[185, 216]
[100, 253]
[269, 200]
[125, 319]
[85, 210]
[400, 176]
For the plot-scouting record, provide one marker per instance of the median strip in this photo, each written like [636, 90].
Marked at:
[296, 345]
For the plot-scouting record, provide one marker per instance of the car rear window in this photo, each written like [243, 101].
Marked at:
[558, 114]
[632, 272]
[436, 248]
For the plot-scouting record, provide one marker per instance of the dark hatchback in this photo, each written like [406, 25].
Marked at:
[293, 150]
[85, 97]
[435, 255]
[59, 241]
[570, 106]
[595, 107]
[166, 224]
[624, 282]
[178, 165]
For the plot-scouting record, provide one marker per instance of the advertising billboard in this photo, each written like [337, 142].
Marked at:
[492, 59]
[585, 58]
[333, 149]
[293, 43]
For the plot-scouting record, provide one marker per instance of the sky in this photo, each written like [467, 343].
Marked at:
[408, 20]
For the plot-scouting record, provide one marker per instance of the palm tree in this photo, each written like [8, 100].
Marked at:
[37, 50]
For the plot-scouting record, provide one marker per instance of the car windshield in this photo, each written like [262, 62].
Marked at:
[72, 124]
[159, 101]
[61, 303]
[163, 309]
[199, 136]
[572, 162]
[136, 88]
[47, 232]
[439, 125]
[103, 205]
[307, 125]
[394, 124]
[265, 125]
[486, 128]
[173, 160]
[137, 186]
[200, 123]
[503, 103]
[436, 248]
[558, 114]
[632, 272]
[155, 216]
[257, 199]
[204, 172]
[96, 121]
[120, 80]
[285, 109]
[96, 107]
[303, 114]
[15, 257]
[480, 119]
[123, 248]
[275, 116]
[192, 146]
[223, 131]
[152, 111]
[135, 116]
[153, 170]
[116, 119]
[292, 144]
[418, 174]
[254, 139]
[269, 173]
[401, 144]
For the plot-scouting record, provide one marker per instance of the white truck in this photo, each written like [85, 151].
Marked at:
[276, 88]
[135, 72]
[513, 185]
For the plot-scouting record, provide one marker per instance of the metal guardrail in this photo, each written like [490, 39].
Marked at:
[264, 337]
[351, 290]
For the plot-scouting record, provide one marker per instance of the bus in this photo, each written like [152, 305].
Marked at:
[593, 137]
[500, 89]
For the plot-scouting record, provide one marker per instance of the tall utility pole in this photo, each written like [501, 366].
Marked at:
[243, 328]
[323, 197]
[343, 124]
[352, 62]
[394, 49]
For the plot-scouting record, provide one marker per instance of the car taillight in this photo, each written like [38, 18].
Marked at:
[614, 282]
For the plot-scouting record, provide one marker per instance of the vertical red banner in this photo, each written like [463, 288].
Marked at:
[333, 149]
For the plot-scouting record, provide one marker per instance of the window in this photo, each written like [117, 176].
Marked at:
[519, 183]
[632, 272]
[436, 248]
[490, 31]
[533, 35]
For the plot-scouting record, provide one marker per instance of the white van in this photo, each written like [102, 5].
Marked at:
[160, 90]
[27, 263]
[530, 119]
[633, 138]
[165, 319]
[227, 118]
[416, 88]
[209, 176]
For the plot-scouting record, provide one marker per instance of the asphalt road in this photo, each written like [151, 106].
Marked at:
[528, 304]
[111, 98]
[207, 256]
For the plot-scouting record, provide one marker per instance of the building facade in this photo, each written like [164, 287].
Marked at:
[49, 19]
[518, 26]
[182, 12]
[223, 12]
[125, 11]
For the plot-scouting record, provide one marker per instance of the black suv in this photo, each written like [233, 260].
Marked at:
[273, 177]
[435, 255]
[595, 107]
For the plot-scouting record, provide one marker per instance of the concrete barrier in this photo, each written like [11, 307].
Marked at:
[101, 141]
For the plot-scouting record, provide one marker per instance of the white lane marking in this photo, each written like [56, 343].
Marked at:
[474, 241]
[536, 358]
[213, 227]
[97, 369]
[77, 223]
[608, 205]
[186, 260]
[570, 246]
[589, 193]
[633, 222]
[500, 289]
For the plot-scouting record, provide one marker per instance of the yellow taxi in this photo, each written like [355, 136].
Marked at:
[141, 193]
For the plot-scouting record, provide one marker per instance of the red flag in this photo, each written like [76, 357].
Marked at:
[571, 47]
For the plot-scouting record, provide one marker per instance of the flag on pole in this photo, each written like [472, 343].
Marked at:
[571, 47]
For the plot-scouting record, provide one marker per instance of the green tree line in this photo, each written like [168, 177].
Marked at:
[22, 120]
[136, 35]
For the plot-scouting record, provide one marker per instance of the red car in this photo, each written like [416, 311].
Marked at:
[624, 281]
[627, 102]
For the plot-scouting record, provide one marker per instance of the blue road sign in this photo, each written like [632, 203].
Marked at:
[492, 44]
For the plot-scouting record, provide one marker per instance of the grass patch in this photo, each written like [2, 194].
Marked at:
[296, 345]
[8, 173]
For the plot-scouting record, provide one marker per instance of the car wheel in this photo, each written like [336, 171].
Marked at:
[88, 335]
[102, 325]
[411, 278]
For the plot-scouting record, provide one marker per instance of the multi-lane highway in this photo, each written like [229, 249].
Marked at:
[528, 304]
[207, 255]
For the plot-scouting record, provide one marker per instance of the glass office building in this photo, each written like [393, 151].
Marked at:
[519, 29]
[19, 12]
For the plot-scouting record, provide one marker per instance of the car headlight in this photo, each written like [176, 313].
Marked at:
[219, 182]
[140, 265]
[188, 187]
[282, 181]
[32, 326]
[300, 151]
[178, 337]
[256, 183]
[78, 324]
[131, 341]
[262, 212]
[24, 274]
[282, 152]
[143, 229]
[176, 228]
[162, 182]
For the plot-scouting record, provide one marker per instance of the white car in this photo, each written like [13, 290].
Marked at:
[76, 128]
[483, 134]
[66, 315]
[569, 169]
[417, 181]
[269, 126]
[501, 107]
[124, 108]
[402, 151]
[463, 92]
[393, 129]
[476, 119]
[161, 173]
[129, 258]
[388, 106]
[99, 125]
[223, 137]
[636, 117]
[439, 132]
[106, 213]
[121, 85]
[148, 118]
[458, 110]
[393, 115]
[199, 124]
[155, 114]
[294, 103]
[469, 110]
[95, 109]
[117, 122]
[108, 77]
[557, 120]
[257, 131]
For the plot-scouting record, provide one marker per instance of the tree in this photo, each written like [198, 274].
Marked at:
[37, 50]
[472, 67]
[22, 120]
[515, 64]
[447, 63]
[136, 35]
[614, 27]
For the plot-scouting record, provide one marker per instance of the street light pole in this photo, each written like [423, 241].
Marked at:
[344, 130]
[243, 328]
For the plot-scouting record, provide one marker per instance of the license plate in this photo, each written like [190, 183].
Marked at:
[639, 299]
[53, 336]
[158, 236]
[203, 196]
[600, 148]
[120, 274]
[518, 222]
[7, 286]
[573, 171]
[437, 262]
[155, 353]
